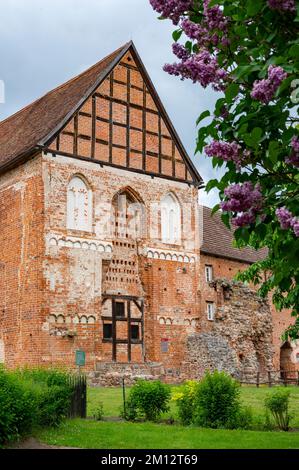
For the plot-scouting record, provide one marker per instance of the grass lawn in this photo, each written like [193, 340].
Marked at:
[108, 435]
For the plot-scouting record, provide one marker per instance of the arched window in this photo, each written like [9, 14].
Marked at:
[79, 205]
[129, 215]
[170, 219]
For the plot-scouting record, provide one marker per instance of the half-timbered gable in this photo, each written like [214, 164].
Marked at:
[124, 124]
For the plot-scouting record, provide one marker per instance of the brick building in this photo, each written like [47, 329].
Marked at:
[100, 242]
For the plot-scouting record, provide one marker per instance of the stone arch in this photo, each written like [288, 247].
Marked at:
[286, 363]
[79, 204]
[171, 219]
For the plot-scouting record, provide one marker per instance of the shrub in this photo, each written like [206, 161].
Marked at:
[217, 404]
[278, 405]
[147, 399]
[17, 408]
[185, 400]
[31, 398]
[98, 411]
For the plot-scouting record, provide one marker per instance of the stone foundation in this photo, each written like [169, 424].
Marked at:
[111, 374]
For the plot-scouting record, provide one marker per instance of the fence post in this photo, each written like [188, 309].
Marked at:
[258, 379]
[269, 379]
[124, 396]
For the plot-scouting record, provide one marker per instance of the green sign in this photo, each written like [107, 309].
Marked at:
[80, 358]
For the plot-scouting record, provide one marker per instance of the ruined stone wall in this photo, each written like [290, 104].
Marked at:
[239, 340]
[226, 268]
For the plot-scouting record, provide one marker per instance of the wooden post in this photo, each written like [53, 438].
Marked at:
[129, 329]
[269, 379]
[298, 378]
[113, 330]
[258, 379]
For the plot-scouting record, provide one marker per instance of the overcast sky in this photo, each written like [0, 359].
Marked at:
[45, 42]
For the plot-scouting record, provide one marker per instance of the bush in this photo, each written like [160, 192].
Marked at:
[147, 399]
[185, 400]
[278, 405]
[98, 411]
[17, 408]
[31, 398]
[217, 402]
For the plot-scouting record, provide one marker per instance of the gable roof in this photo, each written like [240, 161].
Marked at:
[218, 240]
[33, 127]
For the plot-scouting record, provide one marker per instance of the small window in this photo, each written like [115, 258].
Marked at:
[209, 273]
[119, 309]
[135, 331]
[107, 330]
[211, 311]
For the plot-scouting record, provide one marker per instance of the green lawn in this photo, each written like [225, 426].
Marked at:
[108, 434]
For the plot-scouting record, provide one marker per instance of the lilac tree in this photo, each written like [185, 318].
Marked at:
[248, 51]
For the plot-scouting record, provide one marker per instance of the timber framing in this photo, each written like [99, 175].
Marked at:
[129, 319]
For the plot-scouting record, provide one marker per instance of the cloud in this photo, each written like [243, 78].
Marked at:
[44, 43]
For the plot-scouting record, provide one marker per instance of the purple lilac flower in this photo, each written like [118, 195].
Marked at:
[227, 151]
[285, 217]
[282, 5]
[213, 19]
[293, 159]
[245, 200]
[180, 51]
[264, 90]
[172, 9]
[287, 220]
[202, 68]
[296, 227]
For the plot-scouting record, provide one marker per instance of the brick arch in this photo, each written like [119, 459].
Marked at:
[79, 201]
[132, 197]
[165, 217]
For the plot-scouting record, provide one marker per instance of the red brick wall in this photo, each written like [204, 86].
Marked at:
[21, 258]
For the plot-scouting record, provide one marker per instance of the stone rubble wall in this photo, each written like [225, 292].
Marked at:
[240, 341]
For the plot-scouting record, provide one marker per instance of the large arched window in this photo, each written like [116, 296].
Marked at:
[79, 205]
[170, 219]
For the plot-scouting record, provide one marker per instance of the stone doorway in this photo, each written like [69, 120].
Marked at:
[286, 363]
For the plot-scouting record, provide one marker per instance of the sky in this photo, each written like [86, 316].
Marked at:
[43, 43]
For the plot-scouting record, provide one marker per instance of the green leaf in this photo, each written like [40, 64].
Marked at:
[254, 6]
[177, 34]
[256, 134]
[231, 91]
[215, 209]
[225, 219]
[211, 185]
[273, 150]
[203, 115]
